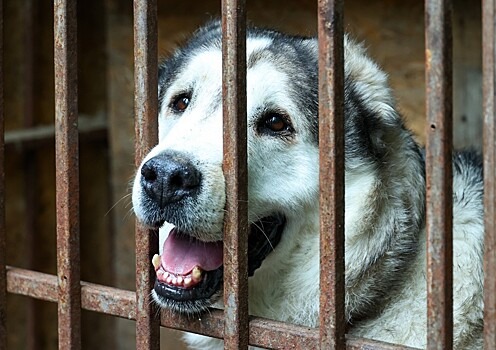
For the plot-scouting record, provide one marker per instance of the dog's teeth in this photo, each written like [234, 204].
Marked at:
[174, 280]
[168, 279]
[187, 281]
[160, 274]
[196, 274]
[156, 261]
[179, 280]
[166, 274]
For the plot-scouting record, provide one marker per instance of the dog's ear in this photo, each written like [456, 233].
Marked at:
[372, 130]
[213, 25]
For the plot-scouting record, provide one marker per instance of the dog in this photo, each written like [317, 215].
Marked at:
[181, 182]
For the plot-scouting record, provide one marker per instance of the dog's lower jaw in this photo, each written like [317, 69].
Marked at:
[193, 308]
[264, 236]
[192, 300]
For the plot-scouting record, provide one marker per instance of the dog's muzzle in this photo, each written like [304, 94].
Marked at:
[190, 269]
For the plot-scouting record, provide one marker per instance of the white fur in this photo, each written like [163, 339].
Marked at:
[286, 286]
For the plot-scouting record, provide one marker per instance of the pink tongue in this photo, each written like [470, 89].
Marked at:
[181, 254]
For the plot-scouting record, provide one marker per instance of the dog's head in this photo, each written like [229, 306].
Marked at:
[181, 180]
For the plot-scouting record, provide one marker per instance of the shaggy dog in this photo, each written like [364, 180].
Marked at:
[181, 182]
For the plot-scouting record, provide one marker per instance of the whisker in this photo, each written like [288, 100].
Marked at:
[120, 200]
[261, 228]
[128, 215]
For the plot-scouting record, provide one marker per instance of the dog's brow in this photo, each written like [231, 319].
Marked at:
[255, 57]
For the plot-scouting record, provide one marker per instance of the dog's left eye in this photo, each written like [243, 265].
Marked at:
[275, 124]
[180, 102]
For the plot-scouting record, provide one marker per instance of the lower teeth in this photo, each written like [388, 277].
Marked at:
[179, 280]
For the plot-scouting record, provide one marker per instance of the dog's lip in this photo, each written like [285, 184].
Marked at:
[210, 283]
[264, 236]
[157, 224]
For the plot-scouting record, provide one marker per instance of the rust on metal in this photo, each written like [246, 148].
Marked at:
[146, 112]
[235, 171]
[108, 300]
[67, 174]
[489, 141]
[353, 343]
[439, 212]
[32, 284]
[263, 333]
[233, 324]
[331, 174]
[3, 234]
[121, 303]
[211, 324]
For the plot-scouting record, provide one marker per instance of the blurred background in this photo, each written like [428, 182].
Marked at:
[393, 32]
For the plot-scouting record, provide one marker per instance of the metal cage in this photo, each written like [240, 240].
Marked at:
[234, 325]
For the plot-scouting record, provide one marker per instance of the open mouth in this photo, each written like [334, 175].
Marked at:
[190, 271]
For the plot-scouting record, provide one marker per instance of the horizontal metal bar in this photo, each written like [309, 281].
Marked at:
[121, 303]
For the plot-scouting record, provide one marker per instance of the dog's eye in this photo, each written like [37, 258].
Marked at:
[180, 102]
[275, 124]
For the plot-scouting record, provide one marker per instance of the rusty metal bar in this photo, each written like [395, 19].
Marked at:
[121, 303]
[489, 141]
[3, 234]
[33, 284]
[94, 297]
[146, 112]
[367, 344]
[67, 174]
[439, 212]
[331, 174]
[235, 170]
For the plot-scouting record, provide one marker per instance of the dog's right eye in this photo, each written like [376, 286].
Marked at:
[275, 124]
[180, 102]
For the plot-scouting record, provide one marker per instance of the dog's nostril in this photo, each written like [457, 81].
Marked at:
[183, 180]
[169, 177]
[148, 172]
[176, 181]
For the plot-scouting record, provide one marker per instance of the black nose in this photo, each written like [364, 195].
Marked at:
[169, 177]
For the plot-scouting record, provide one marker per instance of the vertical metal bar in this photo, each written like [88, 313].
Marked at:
[235, 170]
[67, 174]
[146, 112]
[489, 138]
[438, 38]
[331, 144]
[3, 248]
